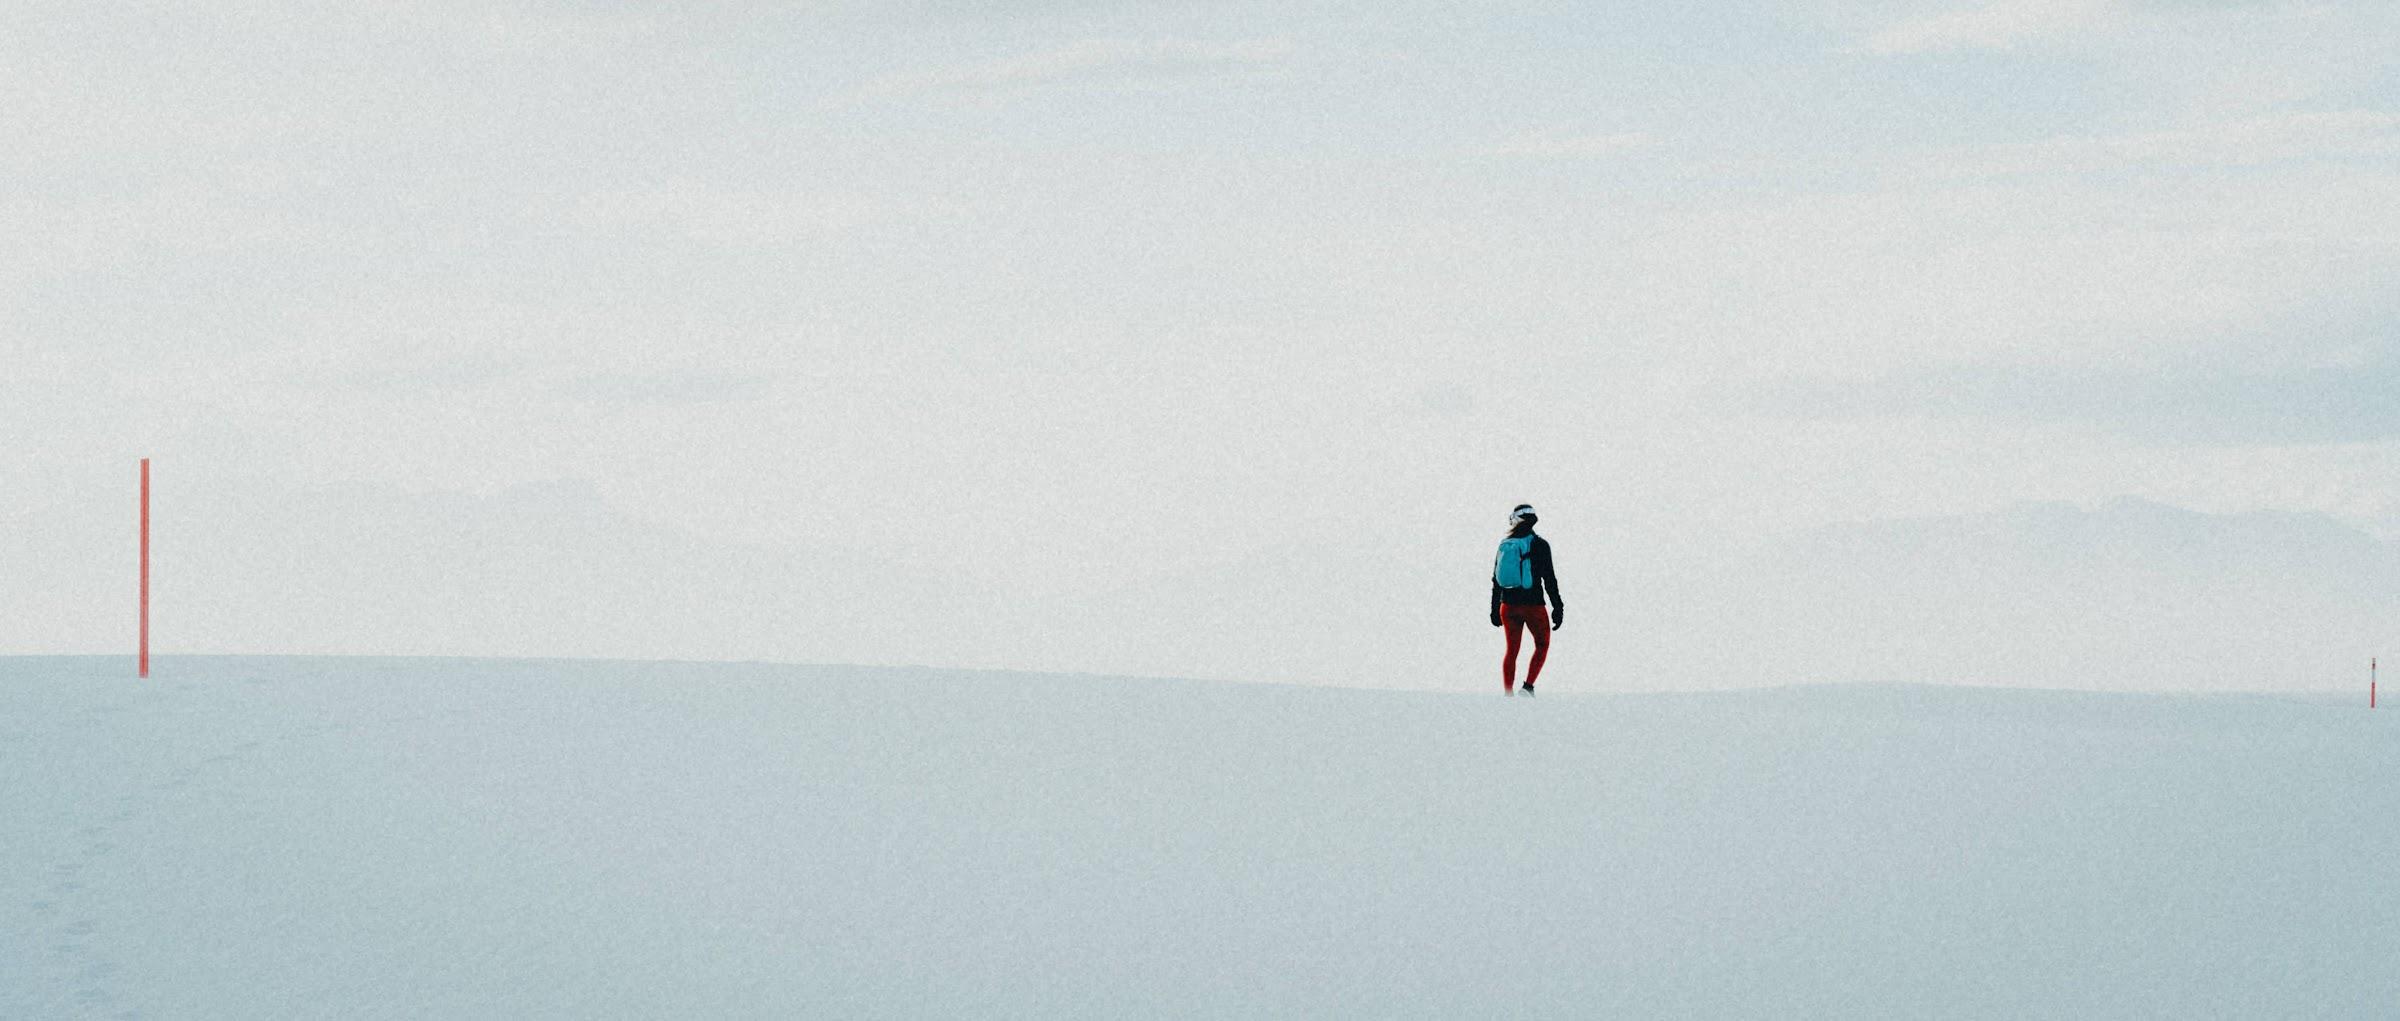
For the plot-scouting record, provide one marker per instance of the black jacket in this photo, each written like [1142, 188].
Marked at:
[1544, 576]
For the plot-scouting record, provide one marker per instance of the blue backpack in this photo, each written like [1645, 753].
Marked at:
[1514, 566]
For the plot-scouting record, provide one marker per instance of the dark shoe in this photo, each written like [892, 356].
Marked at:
[1529, 691]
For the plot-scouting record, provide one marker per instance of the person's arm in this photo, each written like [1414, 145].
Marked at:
[1495, 600]
[1549, 572]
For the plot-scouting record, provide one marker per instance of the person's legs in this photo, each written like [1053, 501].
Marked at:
[1538, 619]
[1508, 663]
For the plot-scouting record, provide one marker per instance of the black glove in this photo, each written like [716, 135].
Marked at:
[1558, 618]
[1495, 618]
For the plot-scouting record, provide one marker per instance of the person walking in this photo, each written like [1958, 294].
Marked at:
[1520, 572]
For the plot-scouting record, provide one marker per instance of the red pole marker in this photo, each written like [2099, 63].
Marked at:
[145, 657]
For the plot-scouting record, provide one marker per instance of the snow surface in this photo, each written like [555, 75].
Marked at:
[357, 838]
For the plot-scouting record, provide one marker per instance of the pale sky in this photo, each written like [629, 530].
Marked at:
[1211, 338]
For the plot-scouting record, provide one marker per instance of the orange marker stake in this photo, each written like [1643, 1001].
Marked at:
[145, 654]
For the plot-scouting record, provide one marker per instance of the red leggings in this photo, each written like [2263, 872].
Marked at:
[1516, 619]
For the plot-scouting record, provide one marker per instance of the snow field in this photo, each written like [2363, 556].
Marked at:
[272, 837]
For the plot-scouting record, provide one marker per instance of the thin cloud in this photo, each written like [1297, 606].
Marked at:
[712, 215]
[1548, 144]
[2249, 142]
[2260, 393]
[1088, 60]
[668, 388]
[2003, 25]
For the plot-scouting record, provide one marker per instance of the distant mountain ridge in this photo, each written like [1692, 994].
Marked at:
[2128, 594]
